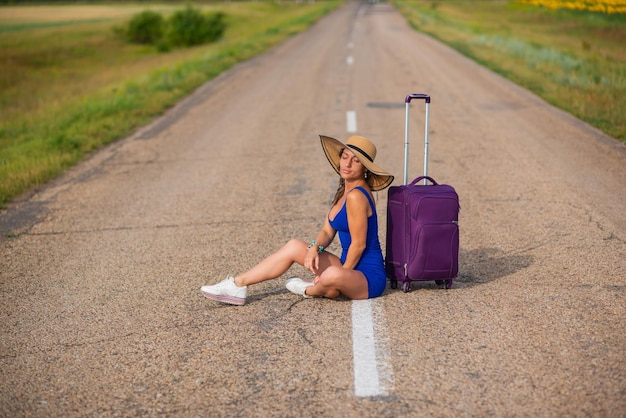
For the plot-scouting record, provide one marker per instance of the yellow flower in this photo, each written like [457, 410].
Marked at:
[601, 6]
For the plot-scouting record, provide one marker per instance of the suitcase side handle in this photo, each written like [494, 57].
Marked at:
[420, 178]
[420, 96]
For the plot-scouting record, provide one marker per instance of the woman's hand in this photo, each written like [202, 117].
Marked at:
[312, 260]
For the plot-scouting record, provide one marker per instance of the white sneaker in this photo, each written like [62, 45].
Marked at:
[226, 291]
[297, 285]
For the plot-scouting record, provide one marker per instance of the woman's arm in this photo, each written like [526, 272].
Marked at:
[325, 236]
[323, 239]
[358, 207]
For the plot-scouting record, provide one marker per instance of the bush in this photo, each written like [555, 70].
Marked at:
[185, 27]
[146, 27]
[190, 26]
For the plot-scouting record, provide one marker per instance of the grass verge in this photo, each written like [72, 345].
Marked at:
[575, 60]
[68, 85]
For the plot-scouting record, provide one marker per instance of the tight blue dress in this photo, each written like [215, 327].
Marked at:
[371, 263]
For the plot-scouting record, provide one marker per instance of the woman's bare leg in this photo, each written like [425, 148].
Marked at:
[275, 265]
[336, 280]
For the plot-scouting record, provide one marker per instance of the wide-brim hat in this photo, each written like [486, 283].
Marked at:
[365, 151]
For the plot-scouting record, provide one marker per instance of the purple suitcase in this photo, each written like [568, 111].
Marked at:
[422, 224]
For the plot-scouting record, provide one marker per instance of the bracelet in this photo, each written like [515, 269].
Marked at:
[320, 248]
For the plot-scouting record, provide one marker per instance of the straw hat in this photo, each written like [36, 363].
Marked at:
[365, 150]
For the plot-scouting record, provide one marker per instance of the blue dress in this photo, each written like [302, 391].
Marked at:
[371, 263]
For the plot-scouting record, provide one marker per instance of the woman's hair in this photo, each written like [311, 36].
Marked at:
[340, 190]
[342, 183]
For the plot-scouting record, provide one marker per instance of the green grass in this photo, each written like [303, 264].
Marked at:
[574, 60]
[68, 85]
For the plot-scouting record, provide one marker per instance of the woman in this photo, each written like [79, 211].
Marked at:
[359, 273]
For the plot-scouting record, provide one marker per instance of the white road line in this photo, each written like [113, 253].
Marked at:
[366, 382]
[372, 372]
[351, 121]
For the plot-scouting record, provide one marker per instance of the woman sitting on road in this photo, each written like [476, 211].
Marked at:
[360, 272]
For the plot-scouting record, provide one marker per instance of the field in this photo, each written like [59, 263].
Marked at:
[68, 84]
[573, 58]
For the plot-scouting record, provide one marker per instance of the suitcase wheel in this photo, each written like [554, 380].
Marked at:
[406, 286]
[445, 283]
[393, 284]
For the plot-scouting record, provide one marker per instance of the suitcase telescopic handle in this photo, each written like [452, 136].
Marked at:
[407, 100]
[420, 96]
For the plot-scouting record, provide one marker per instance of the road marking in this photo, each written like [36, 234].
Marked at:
[350, 60]
[351, 121]
[372, 371]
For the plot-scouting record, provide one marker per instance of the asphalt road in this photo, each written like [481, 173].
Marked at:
[100, 270]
